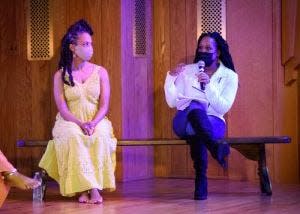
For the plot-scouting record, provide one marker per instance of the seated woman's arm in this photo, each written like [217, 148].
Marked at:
[171, 92]
[60, 100]
[104, 97]
[174, 86]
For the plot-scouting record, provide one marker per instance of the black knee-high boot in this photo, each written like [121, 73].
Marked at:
[198, 153]
[203, 129]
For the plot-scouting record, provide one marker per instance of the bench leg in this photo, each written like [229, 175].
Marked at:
[265, 183]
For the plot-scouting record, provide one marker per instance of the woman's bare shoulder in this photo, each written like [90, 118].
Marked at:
[58, 74]
[101, 71]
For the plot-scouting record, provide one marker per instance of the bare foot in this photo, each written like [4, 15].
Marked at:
[95, 197]
[21, 181]
[84, 198]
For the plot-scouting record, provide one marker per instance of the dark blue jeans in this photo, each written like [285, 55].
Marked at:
[201, 131]
[205, 127]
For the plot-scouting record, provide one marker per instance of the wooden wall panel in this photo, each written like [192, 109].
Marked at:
[191, 30]
[289, 95]
[177, 37]
[262, 92]
[137, 97]
[178, 54]
[41, 77]
[162, 60]
[137, 77]
[290, 43]
[111, 57]
[8, 53]
[251, 50]
[60, 25]
[289, 19]
[161, 56]
[174, 42]
[286, 157]
[250, 41]
[127, 67]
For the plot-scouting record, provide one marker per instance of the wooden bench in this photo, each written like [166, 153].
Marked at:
[252, 148]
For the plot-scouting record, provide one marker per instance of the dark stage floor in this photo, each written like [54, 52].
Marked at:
[155, 196]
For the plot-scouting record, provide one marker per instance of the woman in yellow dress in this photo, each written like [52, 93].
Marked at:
[81, 156]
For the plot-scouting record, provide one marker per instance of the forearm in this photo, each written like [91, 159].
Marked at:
[100, 115]
[68, 116]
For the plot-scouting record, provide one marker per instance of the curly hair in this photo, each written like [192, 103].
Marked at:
[66, 55]
[222, 46]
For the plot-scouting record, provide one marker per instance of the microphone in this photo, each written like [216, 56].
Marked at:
[201, 66]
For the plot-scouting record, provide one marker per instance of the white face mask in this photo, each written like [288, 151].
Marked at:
[85, 53]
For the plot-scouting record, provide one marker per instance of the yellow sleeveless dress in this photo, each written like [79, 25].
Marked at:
[76, 161]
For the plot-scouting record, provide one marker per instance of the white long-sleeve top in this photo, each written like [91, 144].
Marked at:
[218, 96]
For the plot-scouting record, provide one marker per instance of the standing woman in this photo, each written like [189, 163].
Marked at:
[81, 156]
[202, 99]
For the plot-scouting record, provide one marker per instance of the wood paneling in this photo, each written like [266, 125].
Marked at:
[264, 105]
[137, 76]
[161, 56]
[137, 97]
[60, 25]
[8, 82]
[161, 25]
[252, 113]
[287, 121]
[190, 29]
[289, 19]
[290, 42]
[111, 57]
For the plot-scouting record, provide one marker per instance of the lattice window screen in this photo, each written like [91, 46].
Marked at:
[139, 40]
[211, 16]
[39, 30]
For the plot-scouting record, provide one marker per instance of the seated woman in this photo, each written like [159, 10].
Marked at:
[81, 156]
[11, 178]
[202, 93]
